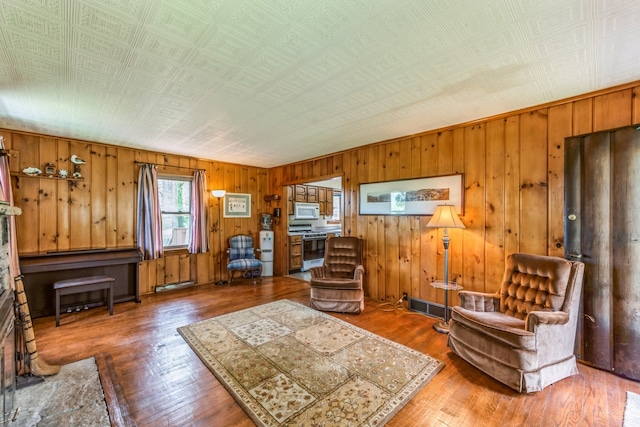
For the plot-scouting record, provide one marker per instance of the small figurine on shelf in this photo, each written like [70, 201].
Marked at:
[62, 173]
[77, 175]
[50, 169]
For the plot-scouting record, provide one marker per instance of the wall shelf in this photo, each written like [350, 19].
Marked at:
[59, 178]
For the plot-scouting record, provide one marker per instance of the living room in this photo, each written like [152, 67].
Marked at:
[513, 165]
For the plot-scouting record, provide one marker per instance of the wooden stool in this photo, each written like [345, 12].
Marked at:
[84, 284]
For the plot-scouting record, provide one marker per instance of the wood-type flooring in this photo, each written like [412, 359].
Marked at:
[164, 383]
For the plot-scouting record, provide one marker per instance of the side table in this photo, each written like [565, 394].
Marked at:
[443, 327]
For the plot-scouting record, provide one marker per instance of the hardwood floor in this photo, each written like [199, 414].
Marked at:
[165, 384]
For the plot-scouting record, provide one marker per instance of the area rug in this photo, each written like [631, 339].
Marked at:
[289, 365]
[73, 397]
[632, 410]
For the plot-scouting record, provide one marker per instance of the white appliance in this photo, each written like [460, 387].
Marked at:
[266, 252]
[302, 210]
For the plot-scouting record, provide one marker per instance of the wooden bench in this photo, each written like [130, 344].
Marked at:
[83, 284]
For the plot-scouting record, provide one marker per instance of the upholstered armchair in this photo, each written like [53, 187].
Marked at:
[338, 284]
[241, 258]
[524, 334]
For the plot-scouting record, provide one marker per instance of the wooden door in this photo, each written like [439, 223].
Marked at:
[602, 229]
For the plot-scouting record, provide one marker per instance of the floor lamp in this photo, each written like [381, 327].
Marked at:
[445, 217]
[219, 194]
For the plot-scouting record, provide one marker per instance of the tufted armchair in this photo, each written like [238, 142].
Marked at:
[338, 284]
[524, 334]
[242, 258]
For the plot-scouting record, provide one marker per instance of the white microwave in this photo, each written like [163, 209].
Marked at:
[306, 210]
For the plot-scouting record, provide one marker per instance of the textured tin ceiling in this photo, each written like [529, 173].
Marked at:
[269, 82]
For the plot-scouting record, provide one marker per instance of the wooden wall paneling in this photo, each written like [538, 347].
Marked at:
[111, 197]
[608, 108]
[473, 274]
[534, 182]
[98, 164]
[583, 116]
[126, 194]
[62, 194]
[380, 280]
[415, 161]
[171, 268]
[80, 197]
[159, 265]
[393, 234]
[47, 199]
[429, 164]
[559, 128]
[511, 187]
[143, 278]
[495, 202]
[184, 267]
[375, 258]
[635, 106]
[456, 254]
[25, 193]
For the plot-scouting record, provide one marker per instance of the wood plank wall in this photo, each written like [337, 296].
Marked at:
[513, 166]
[99, 212]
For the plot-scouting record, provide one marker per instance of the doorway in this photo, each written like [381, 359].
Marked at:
[602, 229]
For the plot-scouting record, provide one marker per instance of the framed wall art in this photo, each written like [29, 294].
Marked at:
[237, 205]
[412, 196]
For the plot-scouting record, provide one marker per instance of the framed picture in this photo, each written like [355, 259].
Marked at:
[237, 205]
[412, 196]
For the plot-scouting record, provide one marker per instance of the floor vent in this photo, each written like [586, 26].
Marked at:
[426, 307]
[173, 286]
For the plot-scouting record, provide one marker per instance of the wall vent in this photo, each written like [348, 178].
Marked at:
[426, 307]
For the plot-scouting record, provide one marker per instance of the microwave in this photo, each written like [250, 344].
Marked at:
[306, 210]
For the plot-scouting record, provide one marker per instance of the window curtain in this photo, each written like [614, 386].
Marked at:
[7, 196]
[199, 241]
[149, 214]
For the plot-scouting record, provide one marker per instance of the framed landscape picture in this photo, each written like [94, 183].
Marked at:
[237, 205]
[412, 196]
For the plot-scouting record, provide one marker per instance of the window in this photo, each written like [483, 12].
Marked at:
[175, 206]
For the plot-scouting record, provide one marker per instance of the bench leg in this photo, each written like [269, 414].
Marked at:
[110, 301]
[57, 308]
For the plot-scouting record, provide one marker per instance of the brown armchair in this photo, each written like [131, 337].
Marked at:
[524, 334]
[338, 284]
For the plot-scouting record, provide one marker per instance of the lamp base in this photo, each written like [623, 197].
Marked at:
[442, 327]
[220, 282]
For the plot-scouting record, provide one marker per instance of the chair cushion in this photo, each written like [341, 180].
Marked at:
[533, 283]
[501, 327]
[335, 283]
[237, 253]
[244, 264]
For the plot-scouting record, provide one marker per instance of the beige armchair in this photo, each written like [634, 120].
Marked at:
[338, 284]
[524, 334]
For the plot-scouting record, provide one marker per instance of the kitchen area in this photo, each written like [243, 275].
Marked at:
[314, 214]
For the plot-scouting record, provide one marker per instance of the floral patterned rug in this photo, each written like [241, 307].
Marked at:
[289, 365]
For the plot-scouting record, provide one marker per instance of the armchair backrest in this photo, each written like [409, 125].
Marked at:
[535, 283]
[342, 255]
[241, 247]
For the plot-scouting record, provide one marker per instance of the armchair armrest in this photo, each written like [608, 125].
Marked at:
[479, 301]
[536, 318]
[317, 272]
[358, 273]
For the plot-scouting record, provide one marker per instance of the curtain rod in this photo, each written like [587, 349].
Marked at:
[167, 166]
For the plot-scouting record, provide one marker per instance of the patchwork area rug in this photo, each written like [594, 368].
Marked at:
[632, 410]
[287, 364]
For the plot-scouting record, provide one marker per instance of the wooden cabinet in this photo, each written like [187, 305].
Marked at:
[295, 252]
[312, 194]
[300, 193]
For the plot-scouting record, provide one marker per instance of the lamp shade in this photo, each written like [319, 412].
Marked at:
[445, 216]
[218, 193]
